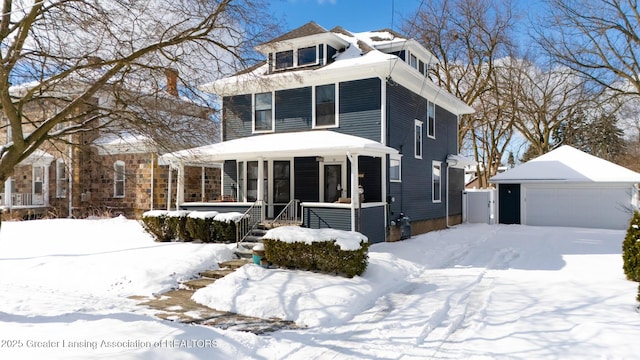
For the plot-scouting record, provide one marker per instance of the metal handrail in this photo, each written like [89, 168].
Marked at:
[288, 215]
[249, 221]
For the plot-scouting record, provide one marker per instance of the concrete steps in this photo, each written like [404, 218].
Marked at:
[176, 305]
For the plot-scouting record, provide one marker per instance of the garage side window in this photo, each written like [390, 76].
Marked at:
[118, 179]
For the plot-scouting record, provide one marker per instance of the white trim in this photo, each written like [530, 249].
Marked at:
[253, 113]
[115, 178]
[398, 158]
[336, 94]
[433, 182]
[431, 104]
[418, 123]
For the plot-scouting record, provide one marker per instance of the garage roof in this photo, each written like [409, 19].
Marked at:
[567, 164]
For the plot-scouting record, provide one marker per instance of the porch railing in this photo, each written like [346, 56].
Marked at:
[252, 217]
[21, 199]
[289, 215]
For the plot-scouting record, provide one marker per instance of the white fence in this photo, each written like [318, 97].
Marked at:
[479, 206]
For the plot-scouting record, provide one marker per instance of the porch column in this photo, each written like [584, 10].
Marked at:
[45, 186]
[180, 186]
[202, 181]
[260, 195]
[7, 193]
[355, 181]
[169, 187]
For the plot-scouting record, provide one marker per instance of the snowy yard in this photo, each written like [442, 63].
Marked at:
[475, 291]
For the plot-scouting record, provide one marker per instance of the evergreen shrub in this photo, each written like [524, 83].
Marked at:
[322, 256]
[155, 223]
[177, 225]
[200, 226]
[631, 249]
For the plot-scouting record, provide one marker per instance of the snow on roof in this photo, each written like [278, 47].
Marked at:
[366, 55]
[304, 143]
[567, 164]
[347, 240]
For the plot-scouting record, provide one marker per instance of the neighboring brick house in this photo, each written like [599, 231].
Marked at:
[347, 124]
[99, 173]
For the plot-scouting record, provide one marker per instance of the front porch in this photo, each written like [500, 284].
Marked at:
[26, 193]
[335, 180]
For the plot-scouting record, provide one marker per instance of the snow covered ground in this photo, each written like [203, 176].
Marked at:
[475, 291]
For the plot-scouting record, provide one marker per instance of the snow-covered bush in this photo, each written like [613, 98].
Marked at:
[155, 222]
[226, 224]
[326, 250]
[177, 224]
[631, 249]
[200, 225]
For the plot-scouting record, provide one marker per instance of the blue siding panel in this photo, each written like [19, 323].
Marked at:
[360, 108]
[373, 225]
[293, 110]
[413, 196]
[322, 218]
[237, 117]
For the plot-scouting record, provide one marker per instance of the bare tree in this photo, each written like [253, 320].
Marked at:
[74, 54]
[599, 39]
[469, 37]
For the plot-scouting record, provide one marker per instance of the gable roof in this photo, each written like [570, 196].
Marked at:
[567, 164]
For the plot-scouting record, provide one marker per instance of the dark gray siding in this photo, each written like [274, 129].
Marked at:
[293, 109]
[321, 218]
[230, 178]
[456, 187]
[360, 104]
[237, 119]
[371, 168]
[373, 225]
[413, 196]
[307, 179]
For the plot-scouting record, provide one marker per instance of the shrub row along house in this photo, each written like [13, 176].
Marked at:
[107, 170]
[345, 128]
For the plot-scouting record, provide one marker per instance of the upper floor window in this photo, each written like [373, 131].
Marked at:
[325, 105]
[307, 56]
[418, 139]
[413, 61]
[263, 112]
[61, 179]
[436, 177]
[431, 120]
[284, 59]
[118, 179]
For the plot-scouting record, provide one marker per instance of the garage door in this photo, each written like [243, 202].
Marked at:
[577, 206]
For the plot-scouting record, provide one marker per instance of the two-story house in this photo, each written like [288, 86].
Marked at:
[348, 124]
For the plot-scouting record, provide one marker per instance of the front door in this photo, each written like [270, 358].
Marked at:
[281, 185]
[332, 183]
[509, 203]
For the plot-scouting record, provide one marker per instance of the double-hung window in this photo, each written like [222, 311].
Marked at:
[61, 179]
[325, 105]
[418, 139]
[431, 120]
[263, 113]
[118, 179]
[436, 177]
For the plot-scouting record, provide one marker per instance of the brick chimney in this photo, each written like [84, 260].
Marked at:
[172, 81]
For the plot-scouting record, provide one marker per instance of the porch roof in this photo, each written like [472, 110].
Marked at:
[286, 145]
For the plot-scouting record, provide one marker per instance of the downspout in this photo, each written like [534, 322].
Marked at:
[70, 180]
[152, 176]
[169, 187]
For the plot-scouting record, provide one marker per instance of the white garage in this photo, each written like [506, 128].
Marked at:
[567, 187]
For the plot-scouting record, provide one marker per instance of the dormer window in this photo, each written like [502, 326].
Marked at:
[284, 59]
[307, 56]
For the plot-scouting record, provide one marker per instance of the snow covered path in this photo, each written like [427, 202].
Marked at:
[472, 292]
